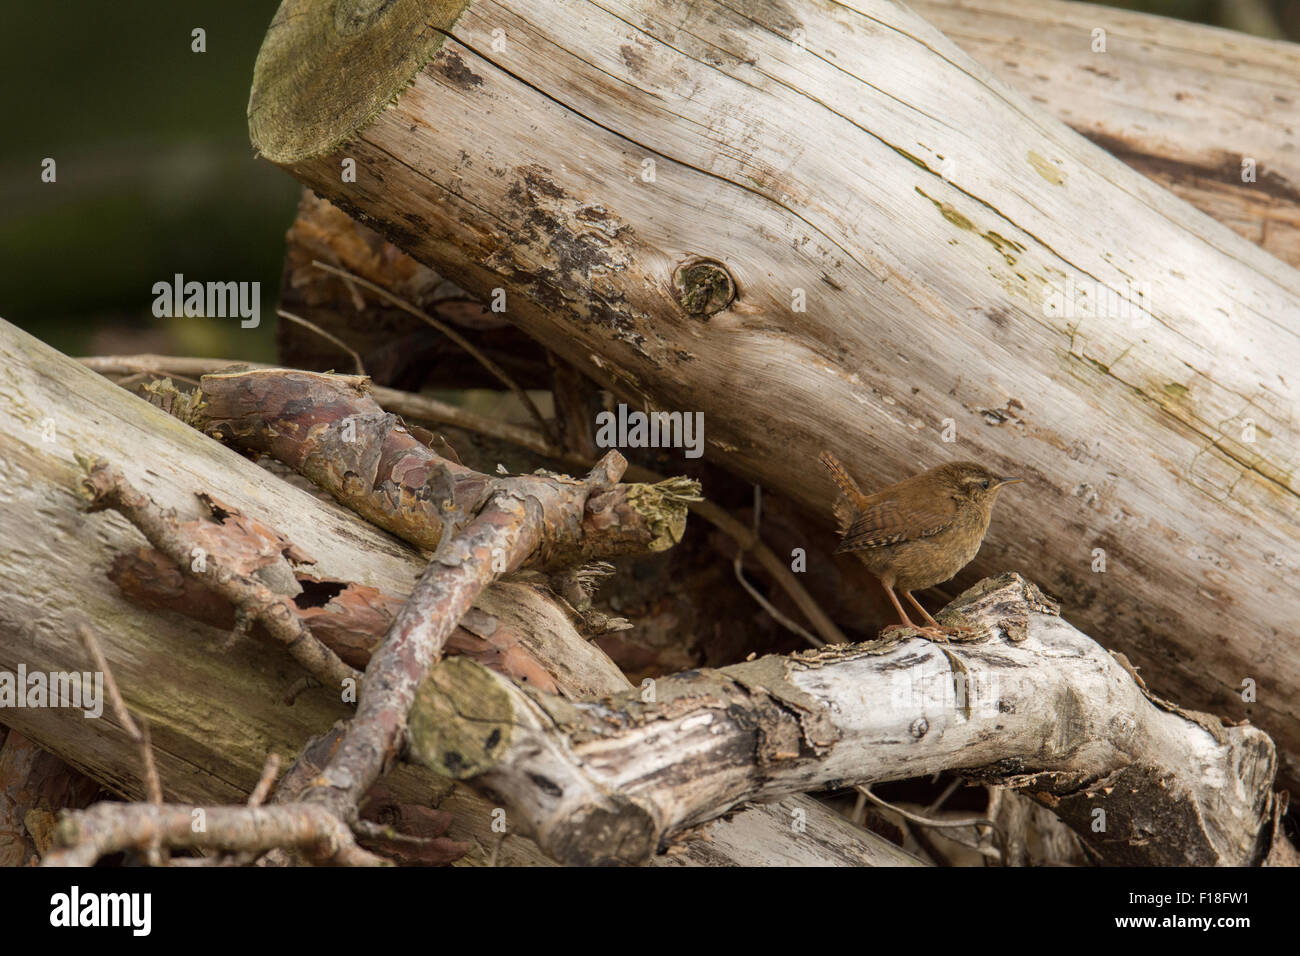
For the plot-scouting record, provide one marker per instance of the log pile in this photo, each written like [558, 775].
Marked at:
[822, 227]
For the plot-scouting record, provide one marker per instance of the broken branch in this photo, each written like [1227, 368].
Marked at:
[1035, 705]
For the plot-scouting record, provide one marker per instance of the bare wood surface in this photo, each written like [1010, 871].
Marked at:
[1182, 103]
[1163, 436]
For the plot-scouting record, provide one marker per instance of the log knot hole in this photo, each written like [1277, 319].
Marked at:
[703, 287]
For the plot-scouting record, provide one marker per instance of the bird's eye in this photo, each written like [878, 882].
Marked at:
[984, 483]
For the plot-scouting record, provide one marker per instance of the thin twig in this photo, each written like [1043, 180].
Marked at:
[943, 797]
[495, 370]
[356, 358]
[266, 781]
[138, 732]
[153, 786]
[108, 489]
[358, 300]
[86, 835]
[925, 821]
[407, 404]
[859, 815]
[764, 602]
[492, 860]
[865, 790]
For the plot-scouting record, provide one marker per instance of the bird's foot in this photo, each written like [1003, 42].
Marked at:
[960, 632]
[938, 634]
[968, 632]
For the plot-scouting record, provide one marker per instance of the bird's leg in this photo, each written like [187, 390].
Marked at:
[935, 633]
[950, 630]
[917, 604]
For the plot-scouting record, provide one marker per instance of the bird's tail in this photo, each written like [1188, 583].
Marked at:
[842, 478]
[851, 498]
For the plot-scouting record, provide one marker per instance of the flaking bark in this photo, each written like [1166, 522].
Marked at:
[329, 429]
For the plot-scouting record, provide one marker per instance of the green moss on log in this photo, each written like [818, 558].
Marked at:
[462, 720]
[326, 69]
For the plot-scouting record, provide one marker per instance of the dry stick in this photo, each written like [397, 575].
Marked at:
[597, 781]
[916, 818]
[255, 799]
[153, 785]
[492, 367]
[275, 612]
[358, 300]
[859, 815]
[86, 835]
[925, 821]
[137, 732]
[943, 797]
[131, 381]
[492, 860]
[406, 404]
[384, 834]
[239, 834]
[767, 559]
[420, 407]
[264, 783]
[356, 358]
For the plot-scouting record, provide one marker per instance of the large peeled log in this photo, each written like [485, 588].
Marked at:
[1194, 107]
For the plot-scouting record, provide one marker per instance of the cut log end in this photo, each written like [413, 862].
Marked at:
[326, 70]
[598, 836]
[449, 741]
[664, 508]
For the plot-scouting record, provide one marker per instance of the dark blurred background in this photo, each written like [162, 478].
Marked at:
[156, 176]
[155, 172]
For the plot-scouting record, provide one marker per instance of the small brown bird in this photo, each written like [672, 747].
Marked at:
[919, 532]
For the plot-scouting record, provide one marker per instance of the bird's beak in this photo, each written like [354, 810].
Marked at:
[1007, 481]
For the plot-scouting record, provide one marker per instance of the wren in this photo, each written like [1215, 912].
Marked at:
[919, 532]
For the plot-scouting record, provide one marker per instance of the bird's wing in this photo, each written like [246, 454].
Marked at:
[886, 520]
